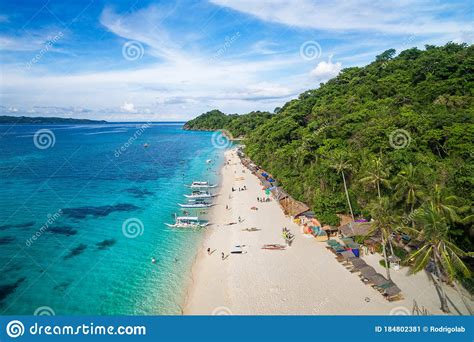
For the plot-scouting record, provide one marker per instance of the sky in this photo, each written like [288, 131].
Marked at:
[143, 60]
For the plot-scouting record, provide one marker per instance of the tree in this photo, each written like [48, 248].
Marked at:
[376, 175]
[386, 55]
[408, 188]
[437, 247]
[340, 162]
[383, 224]
[444, 204]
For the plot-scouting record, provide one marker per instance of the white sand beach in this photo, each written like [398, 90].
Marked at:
[304, 279]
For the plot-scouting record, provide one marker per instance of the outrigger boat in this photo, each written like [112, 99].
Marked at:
[188, 222]
[202, 185]
[200, 194]
[197, 205]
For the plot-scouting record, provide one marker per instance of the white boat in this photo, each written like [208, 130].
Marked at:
[209, 161]
[199, 194]
[188, 222]
[195, 205]
[201, 185]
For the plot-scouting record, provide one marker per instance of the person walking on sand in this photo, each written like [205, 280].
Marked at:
[208, 251]
[240, 220]
[223, 255]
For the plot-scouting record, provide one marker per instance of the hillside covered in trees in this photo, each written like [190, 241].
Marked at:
[237, 125]
[391, 141]
[27, 120]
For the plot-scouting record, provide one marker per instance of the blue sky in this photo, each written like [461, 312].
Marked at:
[163, 60]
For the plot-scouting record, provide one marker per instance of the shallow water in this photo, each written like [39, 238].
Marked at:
[76, 197]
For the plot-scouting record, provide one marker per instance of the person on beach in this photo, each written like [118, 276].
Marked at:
[240, 220]
[208, 251]
[223, 255]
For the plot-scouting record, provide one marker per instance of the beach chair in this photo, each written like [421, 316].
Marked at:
[377, 280]
[332, 243]
[356, 264]
[347, 240]
[344, 256]
[393, 293]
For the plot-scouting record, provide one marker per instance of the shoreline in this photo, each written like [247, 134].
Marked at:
[304, 279]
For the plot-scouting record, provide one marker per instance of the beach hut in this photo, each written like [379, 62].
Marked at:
[355, 228]
[278, 193]
[292, 207]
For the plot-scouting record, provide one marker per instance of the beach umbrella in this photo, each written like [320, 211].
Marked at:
[267, 192]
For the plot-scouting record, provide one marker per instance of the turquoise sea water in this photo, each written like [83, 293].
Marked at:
[85, 199]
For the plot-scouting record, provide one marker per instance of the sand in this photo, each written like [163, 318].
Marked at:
[304, 279]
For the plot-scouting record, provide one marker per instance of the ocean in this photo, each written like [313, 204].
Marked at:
[83, 211]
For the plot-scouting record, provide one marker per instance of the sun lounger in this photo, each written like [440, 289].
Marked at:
[345, 255]
[367, 271]
[393, 293]
[358, 262]
[347, 240]
[356, 265]
[333, 243]
[377, 280]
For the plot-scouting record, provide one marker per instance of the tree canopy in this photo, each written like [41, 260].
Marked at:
[415, 108]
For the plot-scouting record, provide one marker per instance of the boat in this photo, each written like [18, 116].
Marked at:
[198, 205]
[200, 194]
[188, 222]
[201, 185]
[208, 161]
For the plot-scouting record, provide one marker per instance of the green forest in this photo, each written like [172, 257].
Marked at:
[236, 125]
[392, 141]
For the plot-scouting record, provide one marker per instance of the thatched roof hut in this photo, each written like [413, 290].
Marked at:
[355, 228]
[278, 193]
[293, 207]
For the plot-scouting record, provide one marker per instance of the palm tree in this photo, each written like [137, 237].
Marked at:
[444, 204]
[407, 187]
[340, 163]
[437, 247]
[376, 175]
[383, 223]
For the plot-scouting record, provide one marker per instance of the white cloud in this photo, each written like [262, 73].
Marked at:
[326, 70]
[402, 16]
[128, 107]
[178, 78]
[31, 41]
